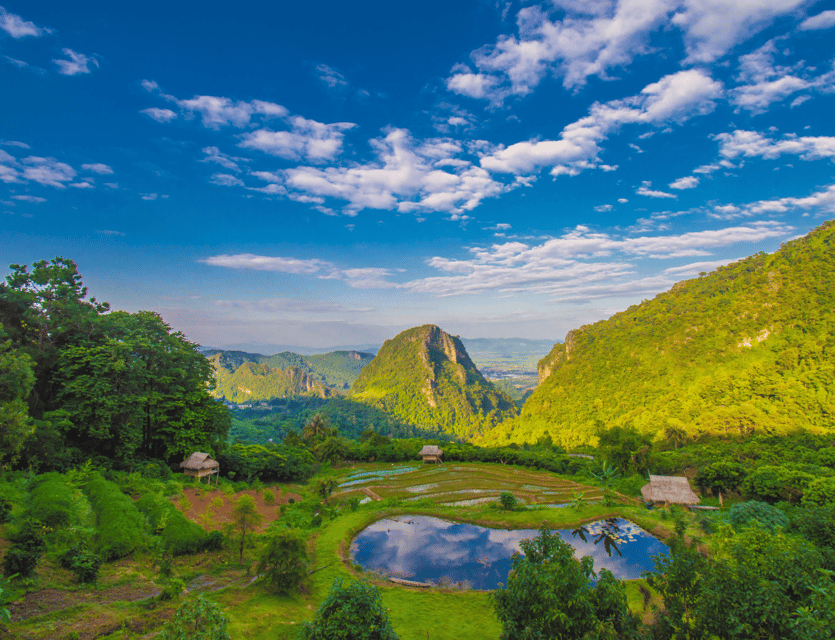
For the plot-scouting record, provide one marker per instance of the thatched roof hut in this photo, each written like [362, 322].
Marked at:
[200, 465]
[669, 490]
[431, 453]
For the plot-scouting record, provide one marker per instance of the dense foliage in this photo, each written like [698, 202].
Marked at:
[120, 526]
[78, 382]
[197, 619]
[180, 535]
[353, 610]
[747, 349]
[424, 377]
[552, 594]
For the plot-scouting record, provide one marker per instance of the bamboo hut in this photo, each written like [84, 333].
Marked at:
[669, 490]
[431, 453]
[200, 465]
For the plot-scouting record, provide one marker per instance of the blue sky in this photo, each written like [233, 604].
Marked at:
[334, 173]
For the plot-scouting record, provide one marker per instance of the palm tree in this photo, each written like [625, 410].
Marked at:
[676, 435]
[316, 428]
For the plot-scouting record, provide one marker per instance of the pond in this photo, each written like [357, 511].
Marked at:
[424, 549]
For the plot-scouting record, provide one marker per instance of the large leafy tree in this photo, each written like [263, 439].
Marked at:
[353, 610]
[551, 594]
[16, 382]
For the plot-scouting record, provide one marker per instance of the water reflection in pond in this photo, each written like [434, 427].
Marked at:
[424, 549]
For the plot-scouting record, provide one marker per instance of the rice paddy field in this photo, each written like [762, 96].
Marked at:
[123, 606]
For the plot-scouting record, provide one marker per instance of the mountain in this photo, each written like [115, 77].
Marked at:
[256, 381]
[746, 349]
[258, 347]
[424, 377]
[336, 370]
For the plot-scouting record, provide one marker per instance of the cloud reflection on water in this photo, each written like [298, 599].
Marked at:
[423, 548]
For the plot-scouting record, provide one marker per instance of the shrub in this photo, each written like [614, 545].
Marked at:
[214, 541]
[22, 558]
[283, 561]
[198, 618]
[507, 500]
[720, 476]
[744, 514]
[5, 510]
[82, 562]
[269, 496]
[121, 528]
[179, 534]
[353, 610]
[51, 500]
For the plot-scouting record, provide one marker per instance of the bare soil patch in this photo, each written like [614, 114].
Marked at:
[213, 518]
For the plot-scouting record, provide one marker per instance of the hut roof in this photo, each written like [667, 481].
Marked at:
[671, 489]
[431, 450]
[198, 460]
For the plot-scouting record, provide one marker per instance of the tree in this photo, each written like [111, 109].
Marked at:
[284, 561]
[353, 610]
[722, 475]
[16, 382]
[507, 500]
[198, 619]
[317, 428]
[325, 487]
[550, 594]
[625, 448]
[245, 519]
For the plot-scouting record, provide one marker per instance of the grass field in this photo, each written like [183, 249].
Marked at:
[119, 605]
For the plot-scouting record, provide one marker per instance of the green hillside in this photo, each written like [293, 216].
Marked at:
[746, 349]
[424, 377]
[253, 381]
[339, 368]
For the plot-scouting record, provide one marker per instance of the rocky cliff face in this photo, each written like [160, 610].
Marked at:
[253, 381]
[425, 377]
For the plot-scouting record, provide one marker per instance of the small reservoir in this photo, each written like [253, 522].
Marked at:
[427, 549]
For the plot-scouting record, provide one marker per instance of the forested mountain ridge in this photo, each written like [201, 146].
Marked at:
[423, 376]
[746, 349]
[243, 376]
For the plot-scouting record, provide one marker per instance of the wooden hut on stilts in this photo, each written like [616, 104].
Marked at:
[200, 465]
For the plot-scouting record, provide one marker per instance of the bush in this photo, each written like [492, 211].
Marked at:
[121, 528]
[214, 541]
[82, 562]
[283, 561]
[354, 610]
[22, 558]
[5, 510]
[179, 534]
[51, 500]
[198, 618]
[507, 500]
[269, 496]
[744, 514]
[720, 476]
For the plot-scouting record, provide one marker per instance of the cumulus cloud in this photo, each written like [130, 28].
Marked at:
[602, 208]
[213, 154]
[160, 115]
[266, 263]
[674, 98]
[823, 20]
[47, 171]
[688, 182]
[307, 139]
[764, 83]
[226, 180]
[330, 77]
[644, 190]
[753, 144]
[98, 167]
[405, 176]
[821, 201]
[32, 199]
[17, 27]
[574, 41]
[77, 63]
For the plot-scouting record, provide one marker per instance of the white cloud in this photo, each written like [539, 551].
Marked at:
[160, 115]
[332, 78]
[404, 177]
[307, 139]
[602, 208]
[576, 40]
[824, 20]
[98, 167]
[83, 185]
[267, 263]
[752, 144]
[764, 83]
[822, 201]
[623, 200]
[695, 268]
[17, 27]
[77, 63]
[674, 98]
[213, 154]
[47, 171]
[226, 180]
[644, 190]
[216, 111]
[32, 199]
[148, 196]
[688, 182]
[14, 143]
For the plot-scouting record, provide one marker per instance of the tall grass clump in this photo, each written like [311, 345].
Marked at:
[120, 526]
[179, 534]
[51, 500]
